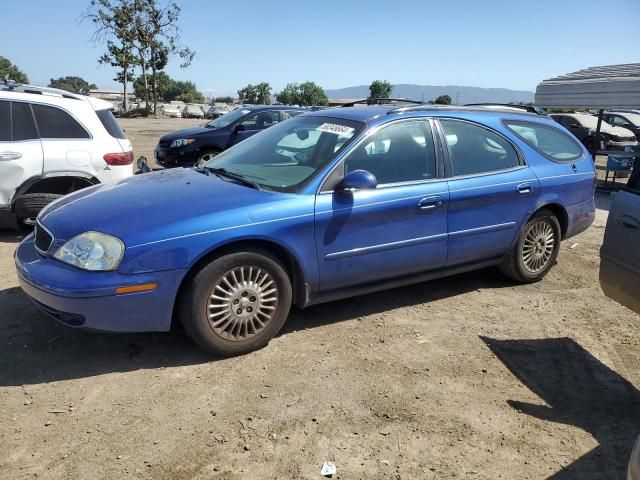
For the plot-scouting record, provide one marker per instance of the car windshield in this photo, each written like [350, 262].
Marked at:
[228, 118]
[286, 155]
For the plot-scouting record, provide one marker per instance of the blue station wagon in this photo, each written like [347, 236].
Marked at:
[322, 206]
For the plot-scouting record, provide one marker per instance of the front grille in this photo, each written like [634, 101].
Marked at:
[43, 239]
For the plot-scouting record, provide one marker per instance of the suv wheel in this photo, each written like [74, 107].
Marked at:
[29, 205]
[237, 303]
[536, 250]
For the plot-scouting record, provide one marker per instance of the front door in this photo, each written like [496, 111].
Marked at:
[20, 149]
[491, 192]
[253, 124]
[396, 229]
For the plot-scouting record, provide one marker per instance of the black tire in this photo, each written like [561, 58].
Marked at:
[514, 265]
[29, 205]
[197, 305]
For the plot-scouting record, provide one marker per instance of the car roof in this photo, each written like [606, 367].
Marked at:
[54, 96]
[270, 107]
[373, 113]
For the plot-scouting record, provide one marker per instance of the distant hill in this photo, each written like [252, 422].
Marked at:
[431, 92]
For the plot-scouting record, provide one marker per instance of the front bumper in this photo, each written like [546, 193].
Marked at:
[87, 300]
[175, 157]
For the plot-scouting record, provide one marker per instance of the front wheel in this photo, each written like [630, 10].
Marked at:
[536, 250]
[237, 303]
[204, 157]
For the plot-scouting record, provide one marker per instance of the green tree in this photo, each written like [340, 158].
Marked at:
[380, 89]
[72, 84]
[263, 93]
[147, 28]
[443, 100]
[11, 71]
[303, 94]
[248, 94]
[123, 59]
[169, 89]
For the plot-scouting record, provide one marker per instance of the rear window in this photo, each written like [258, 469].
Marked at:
[110, 124]
[551, 142]
[56, 123]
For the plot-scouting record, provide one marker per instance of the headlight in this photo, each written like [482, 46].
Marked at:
[181, 142]
[92, 251]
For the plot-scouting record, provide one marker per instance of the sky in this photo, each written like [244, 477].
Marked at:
[483, 43]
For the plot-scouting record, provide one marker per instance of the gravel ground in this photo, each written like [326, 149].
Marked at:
[466, 377]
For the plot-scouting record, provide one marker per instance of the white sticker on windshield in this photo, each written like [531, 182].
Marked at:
[334, 128]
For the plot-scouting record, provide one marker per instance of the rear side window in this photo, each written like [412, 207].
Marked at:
[551, 142]
[110, 124]
[23, 126]
[474, 149]
[56, 123]
[5, 122]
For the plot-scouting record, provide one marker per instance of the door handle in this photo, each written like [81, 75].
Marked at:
[10, 155]
[524, 188]
[430, 203]
[627, 222]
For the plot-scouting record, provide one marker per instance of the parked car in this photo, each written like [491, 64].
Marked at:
[192, 111]
[583, 126]
[620, 264]
[200, 144]
[52, 143]
[630, 121]
[215, 112]
[173, 111]
[323, 206]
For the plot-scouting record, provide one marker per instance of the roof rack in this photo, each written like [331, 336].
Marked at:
[13, 86]
[468, 108]
[380, 101]
[527, 108]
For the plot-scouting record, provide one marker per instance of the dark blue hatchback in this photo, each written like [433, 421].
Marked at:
[195, 145]
[326, 205]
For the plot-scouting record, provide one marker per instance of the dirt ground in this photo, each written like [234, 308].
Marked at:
[466, 377]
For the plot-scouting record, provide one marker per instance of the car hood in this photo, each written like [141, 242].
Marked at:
[157, 206]
[187, 133]
[617, 131]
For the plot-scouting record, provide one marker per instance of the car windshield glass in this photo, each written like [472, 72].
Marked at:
[286, 155]
[228, 118]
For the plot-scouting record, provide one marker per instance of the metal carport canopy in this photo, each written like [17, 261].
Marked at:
[612, 86]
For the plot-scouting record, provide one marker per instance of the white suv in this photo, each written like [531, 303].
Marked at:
[52, 143]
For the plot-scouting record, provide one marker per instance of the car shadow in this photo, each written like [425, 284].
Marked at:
[11, 236]
[578, 390]
[39, 350]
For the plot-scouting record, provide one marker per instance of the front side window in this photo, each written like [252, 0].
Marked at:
[402, 152]
[5, 121]
[549, 141]
[23, 126]
[227, 118]
[284, 157]
[260, 121]
[474, 149]
[56, 123]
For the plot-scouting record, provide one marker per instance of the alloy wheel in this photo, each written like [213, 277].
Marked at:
[538, 245]
[242, 302]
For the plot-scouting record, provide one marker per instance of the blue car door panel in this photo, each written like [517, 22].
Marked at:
[491, 192]
[396, 229]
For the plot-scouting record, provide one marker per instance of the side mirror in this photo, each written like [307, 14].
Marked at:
[238, 128]
[357, 180]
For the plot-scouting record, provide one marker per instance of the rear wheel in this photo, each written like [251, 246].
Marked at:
[237, 303]
[29, 205]
[536, 250]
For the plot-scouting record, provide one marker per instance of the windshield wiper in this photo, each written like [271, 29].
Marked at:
[223, 172]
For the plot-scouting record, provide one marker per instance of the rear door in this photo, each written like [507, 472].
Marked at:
[65, 142]
[20, 149]
[620, 252]
[491, 192]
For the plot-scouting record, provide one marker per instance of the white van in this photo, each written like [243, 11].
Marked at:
[52, 143]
